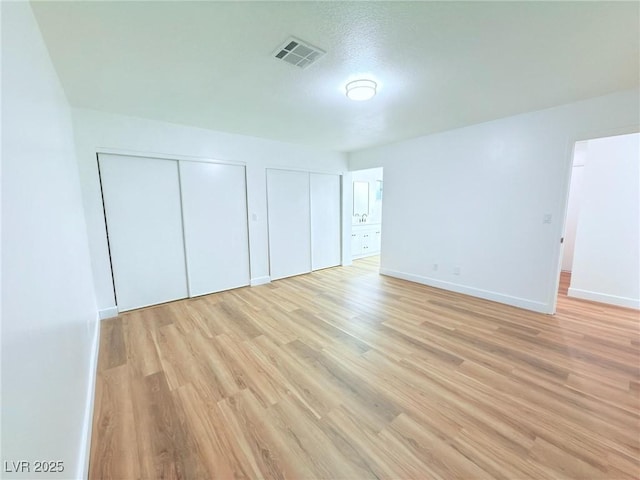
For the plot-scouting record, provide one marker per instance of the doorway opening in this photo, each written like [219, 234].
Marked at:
[601, 251]
[366, 216]
[573, 208]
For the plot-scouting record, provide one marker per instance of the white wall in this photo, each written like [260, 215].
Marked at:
[49, 315]
[573, 206]
[96, 131]
[475, 198]
[606, 265]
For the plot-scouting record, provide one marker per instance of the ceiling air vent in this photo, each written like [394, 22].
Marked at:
[298, 53]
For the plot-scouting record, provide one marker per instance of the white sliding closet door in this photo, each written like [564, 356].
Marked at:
[144, 223]
[214, 209]
[325, 220]
[289, 220]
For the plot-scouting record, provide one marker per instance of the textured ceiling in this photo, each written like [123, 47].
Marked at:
[439, 65]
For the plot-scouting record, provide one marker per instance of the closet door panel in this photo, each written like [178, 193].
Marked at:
[325, 220]
[289, 220]
[144, 222]
[214, 206]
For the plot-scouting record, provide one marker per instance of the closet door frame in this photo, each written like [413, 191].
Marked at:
[341, 187]
[171, 157]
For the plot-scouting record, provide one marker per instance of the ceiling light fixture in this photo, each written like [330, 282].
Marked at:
[360, 90]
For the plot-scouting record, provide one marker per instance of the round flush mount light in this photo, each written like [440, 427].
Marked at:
[360, 90]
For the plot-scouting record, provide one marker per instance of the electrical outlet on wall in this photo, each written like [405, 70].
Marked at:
[456, 270]
[435, 267]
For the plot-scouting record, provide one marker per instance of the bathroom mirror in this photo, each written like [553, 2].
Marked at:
[361, 198]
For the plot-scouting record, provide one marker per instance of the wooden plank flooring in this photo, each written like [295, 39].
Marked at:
[346, 374]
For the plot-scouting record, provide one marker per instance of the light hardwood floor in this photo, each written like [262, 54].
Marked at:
[346, 374]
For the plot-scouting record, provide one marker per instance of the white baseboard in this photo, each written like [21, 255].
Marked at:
[85, 446]
[108, 313]
[260, 280]
[604, 298]
[527, 304]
